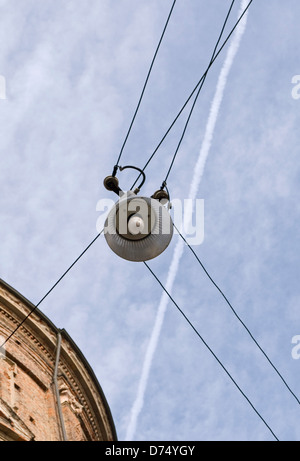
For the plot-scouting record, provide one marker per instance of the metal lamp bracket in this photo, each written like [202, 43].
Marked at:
[111, 183]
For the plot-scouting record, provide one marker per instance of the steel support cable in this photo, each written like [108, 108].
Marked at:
[144, 88]
[211, 351]
[197, 95]
[51, 289]
[237, 316]
[194, 90]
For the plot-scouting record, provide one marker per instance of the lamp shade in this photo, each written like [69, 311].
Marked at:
[138, 228]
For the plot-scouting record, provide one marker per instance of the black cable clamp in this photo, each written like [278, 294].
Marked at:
[111, 183]
[162, 195]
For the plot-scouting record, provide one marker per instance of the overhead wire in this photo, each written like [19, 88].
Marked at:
[194, 90]
[212, 352]
[144, 88]
[51, 289]
[237, 316]
[196, 97]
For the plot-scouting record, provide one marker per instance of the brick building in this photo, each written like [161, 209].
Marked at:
[48, 391]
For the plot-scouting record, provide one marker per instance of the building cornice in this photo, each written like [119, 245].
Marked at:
[42, 333]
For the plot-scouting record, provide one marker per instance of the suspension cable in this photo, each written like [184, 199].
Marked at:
[237, 316]
[197, 95]
[51, 289]
[194, 90]
[211, 351]
[143, 90]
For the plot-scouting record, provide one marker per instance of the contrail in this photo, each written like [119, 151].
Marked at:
[198, 173]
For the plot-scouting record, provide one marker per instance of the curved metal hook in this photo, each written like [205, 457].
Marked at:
[112, 183]
[141, 172]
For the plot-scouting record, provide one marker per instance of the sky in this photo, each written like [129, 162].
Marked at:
[73, 74]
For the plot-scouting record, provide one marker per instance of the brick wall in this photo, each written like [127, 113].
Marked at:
[29, 409]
